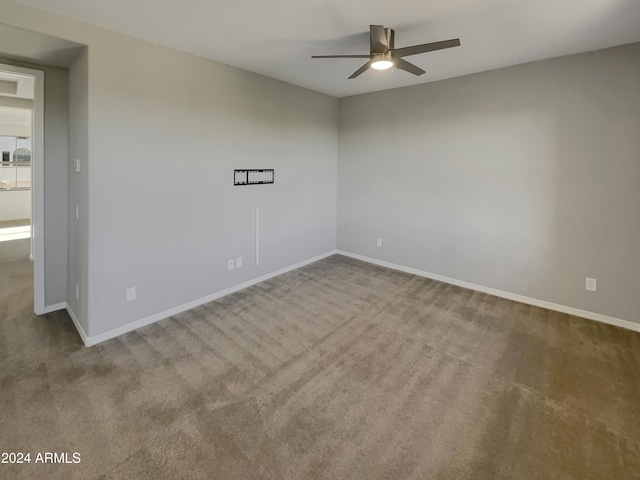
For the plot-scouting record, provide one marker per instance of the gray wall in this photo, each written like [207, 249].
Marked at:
[525, 179]
[166, 129]
[55, 171]
[78, 230]
[164, 140]
[55, 221]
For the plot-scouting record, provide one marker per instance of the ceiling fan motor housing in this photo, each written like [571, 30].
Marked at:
[390, 40]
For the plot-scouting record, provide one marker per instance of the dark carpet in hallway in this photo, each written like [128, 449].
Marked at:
[337, 370]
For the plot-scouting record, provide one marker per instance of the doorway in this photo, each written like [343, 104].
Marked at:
[22, 172]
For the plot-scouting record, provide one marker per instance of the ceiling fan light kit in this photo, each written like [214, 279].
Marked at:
[383, 54]
[382, 61]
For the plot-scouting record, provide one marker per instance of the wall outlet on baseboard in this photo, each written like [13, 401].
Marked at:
[131, 294]
[379, 243]
[591, 284]
[239, 262]
[230, 265]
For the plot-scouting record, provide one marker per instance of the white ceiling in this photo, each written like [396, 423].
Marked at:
[277, 37]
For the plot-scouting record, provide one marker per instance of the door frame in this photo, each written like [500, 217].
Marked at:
[37, 184]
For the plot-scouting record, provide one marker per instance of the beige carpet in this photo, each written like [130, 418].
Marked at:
[338, 370]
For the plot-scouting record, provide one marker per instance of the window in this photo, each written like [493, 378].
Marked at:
[15, 169]
[22, 155]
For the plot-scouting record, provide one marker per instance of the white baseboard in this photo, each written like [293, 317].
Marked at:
[598, 317]
[76, 322]
[156, 317]
[54, 308]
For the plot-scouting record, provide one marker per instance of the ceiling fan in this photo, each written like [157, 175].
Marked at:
[383, 54]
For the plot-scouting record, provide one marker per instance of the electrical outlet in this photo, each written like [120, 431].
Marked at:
[591, 284]
[230, 265]
[239, 262]
[77, 212]
[77, 292]
[379, 243]
[131, 294]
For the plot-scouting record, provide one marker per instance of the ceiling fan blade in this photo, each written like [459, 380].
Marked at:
[378, 39]
[340, 56]
[408, 67]
[360, 71]
[426, 47]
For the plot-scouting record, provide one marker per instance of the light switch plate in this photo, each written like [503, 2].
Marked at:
[76, 165]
